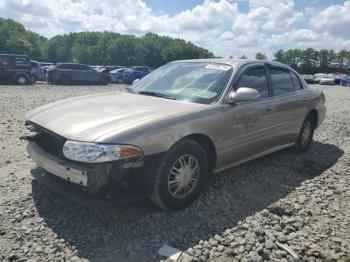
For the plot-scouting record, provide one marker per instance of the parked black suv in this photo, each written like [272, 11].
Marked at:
[71, 73]
[15, 69]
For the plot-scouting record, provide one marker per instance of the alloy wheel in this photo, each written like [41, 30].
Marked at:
[183, 176]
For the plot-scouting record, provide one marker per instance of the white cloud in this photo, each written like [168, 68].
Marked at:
[218, 25]
[334, 20]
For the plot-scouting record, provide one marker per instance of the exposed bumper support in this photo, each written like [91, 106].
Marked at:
[69, 172]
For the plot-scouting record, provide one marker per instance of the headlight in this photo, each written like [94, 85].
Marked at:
[96, 153]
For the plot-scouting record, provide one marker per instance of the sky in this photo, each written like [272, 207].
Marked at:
[225, 27]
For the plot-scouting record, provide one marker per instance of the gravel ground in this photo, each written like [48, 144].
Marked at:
[282, 207]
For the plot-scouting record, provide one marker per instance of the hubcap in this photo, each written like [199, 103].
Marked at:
[305, 135]
[22, 80]
[183, 176]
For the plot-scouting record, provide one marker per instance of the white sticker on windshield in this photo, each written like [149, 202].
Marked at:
[218, 67]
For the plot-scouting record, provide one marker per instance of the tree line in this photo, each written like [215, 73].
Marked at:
[97, 48]
[311, 61]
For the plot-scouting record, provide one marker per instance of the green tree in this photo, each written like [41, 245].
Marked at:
[260, 56]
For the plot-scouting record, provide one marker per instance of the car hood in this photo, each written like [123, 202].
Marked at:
[90, 117]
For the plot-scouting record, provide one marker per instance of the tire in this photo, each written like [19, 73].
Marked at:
[305, 135]
[65, 80]
[34, 79]
[120, 81]
[169, 190]
[22, 80]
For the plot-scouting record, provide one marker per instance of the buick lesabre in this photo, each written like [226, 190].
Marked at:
[175, 127]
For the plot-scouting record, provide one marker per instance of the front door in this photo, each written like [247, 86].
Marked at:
[251, 126]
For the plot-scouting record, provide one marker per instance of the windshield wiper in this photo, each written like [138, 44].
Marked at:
[130, 90]
[152, 93]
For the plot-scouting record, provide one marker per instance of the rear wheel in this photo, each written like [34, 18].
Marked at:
[22, 80]
[180, 176]
[305, 135]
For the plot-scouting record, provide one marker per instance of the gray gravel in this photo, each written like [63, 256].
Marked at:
[254, 212]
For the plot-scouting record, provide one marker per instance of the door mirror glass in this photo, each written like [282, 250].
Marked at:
[243, 94]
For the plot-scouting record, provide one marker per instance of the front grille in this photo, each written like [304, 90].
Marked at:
[50, 142]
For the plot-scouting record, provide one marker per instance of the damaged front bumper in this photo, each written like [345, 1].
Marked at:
[107, 184]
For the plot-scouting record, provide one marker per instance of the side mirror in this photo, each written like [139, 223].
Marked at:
[243, 94]
[135, 81]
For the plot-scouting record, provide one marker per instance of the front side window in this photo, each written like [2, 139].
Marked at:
[255, 78]
[4, 60]
[199, 82]
[281, 81]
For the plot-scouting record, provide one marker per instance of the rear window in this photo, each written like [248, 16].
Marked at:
[281, 81]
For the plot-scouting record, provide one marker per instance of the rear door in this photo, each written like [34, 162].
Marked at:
[289, 105]
[88, 74]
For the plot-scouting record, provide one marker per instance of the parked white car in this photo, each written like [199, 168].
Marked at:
[317, 77]
[327, 80]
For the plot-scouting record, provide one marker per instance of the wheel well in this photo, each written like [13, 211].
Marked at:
[208, 146]
[314, 116]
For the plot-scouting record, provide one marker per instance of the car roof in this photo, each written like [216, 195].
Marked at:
[232, 62]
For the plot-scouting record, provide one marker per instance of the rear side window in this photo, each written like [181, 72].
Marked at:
[255, 78]
[296, 81]
[281, 81]
[65, 66]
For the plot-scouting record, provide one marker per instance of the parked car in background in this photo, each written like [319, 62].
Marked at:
[44, 66]
[317, 77]
[327, 80]
[308, 79]
[164, 137]
[37, 71]
[130, 75]
[345, 81]
[71, 73]
[110, 68]
[117, 75]
[15, 69]
[145, 69]
[338, 78]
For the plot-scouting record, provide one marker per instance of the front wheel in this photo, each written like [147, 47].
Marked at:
[21, 80]
[180, 176]
[305, 135]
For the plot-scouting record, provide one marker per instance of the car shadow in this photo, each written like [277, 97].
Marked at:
[231, 196]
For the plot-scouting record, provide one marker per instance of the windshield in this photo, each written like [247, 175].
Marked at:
[196, 82]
